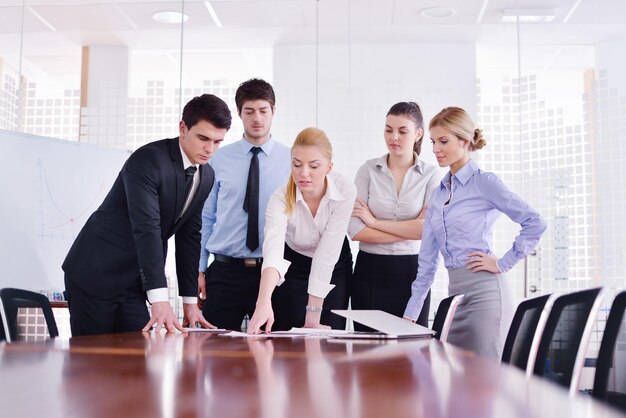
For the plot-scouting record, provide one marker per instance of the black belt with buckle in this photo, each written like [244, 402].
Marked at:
[245, 262]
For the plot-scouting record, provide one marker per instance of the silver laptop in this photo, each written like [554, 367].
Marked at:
[387, 326]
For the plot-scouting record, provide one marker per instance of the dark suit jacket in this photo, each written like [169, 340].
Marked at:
[125, 240]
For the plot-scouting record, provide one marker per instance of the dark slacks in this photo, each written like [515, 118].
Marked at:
[232, 291]
[290, 298]
[92, 316]
[383, 282]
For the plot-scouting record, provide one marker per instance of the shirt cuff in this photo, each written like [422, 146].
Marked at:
[158, 295]
[319, 288]
[504, 265]
[204, 262]
[281, 265]
[190, 300]
[413, 308]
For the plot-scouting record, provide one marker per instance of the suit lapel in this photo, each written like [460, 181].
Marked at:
[177, 167]
[206, 181]
[202, 185]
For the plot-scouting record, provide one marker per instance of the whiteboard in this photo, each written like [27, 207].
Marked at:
[48, 190]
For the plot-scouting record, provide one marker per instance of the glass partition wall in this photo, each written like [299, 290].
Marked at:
[547, 85]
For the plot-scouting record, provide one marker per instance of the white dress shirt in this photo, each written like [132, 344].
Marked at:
[377, 187]
[320, 237]
[162, 294]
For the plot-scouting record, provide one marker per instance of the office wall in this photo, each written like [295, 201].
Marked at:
[549, 96]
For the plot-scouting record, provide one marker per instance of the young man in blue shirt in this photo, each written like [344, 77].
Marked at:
[247, 172]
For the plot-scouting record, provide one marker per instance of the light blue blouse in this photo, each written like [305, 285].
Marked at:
[465, 225]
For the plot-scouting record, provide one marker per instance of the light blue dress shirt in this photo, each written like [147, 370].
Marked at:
[465, 225]
[224, 222]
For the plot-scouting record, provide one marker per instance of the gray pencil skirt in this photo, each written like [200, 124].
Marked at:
[483, 317]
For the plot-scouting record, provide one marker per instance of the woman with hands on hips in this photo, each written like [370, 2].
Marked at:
[392, 192]
[307, 264]
[459, 224]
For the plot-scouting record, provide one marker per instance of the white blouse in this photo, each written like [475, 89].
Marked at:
[320, 237]
[377, 187]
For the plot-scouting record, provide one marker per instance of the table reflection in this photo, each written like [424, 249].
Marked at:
[203, 374]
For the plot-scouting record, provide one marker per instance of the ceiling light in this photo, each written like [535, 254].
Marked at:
[528, 16]
[214, 16]
[170, 16]
[572, 10]
[44, 21]
[437, 12]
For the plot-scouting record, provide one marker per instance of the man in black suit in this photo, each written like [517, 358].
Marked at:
[118, 259]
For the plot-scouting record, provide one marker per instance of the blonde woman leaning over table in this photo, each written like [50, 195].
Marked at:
[307, 264]
[392, 192]
[459, 225]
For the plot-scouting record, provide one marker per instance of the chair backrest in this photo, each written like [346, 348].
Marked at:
[563, 344]
[608, 358]
[13, 299]
[3, 325]
[522, 340]
[445, 314]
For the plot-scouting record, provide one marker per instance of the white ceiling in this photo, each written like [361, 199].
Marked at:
[60, 27]
[265, 22]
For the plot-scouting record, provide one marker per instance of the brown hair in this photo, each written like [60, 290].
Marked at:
[252, 90]
[458, 122]
[309, 137]
[410, 110]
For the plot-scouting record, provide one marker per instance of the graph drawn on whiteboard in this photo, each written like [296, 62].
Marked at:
[62, 218]
[50, 189]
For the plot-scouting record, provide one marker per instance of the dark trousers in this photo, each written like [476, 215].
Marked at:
[232, 291]
[91, 316]
[383, 282]
[290, 298]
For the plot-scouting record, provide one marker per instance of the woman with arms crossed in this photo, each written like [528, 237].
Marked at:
[388, 216]
[459, 224]
[307, 264]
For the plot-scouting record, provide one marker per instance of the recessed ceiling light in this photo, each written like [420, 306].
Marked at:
[170, 16]
[528, 16]
[437, 12]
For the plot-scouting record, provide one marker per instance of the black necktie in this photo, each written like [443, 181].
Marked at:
[189, 172]
[251, 201]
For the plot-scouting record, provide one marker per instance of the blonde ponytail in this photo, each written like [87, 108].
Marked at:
[290, 196]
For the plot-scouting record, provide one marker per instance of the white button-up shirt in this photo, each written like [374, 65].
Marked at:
[377, 187]
[320, 237]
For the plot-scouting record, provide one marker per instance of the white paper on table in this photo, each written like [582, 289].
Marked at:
[312, 331]
[293, 332]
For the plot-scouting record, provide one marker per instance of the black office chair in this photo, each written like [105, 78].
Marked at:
[522, 340]
[13, 299]
[563, 344]
[444, 315]
[3, 320]
[615, 327]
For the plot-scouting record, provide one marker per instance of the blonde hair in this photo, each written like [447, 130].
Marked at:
[309, 137]
[458, 122]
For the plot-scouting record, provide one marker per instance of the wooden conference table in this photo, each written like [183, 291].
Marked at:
[199, 374]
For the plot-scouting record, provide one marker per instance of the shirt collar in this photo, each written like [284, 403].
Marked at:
[186, 162]
[463, 175]
[332, 191]
[267, 147]
[466, 172]
[418, 166]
